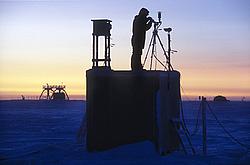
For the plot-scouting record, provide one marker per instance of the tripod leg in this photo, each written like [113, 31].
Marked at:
[160, 63]
[153, 50]
[151, 40]
[164, 51]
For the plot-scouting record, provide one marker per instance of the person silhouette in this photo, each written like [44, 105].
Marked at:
[141, 24]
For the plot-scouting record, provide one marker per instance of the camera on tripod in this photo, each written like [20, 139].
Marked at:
[152, 46]
[159, 19]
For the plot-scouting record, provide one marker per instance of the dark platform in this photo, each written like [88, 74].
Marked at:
[125, 107]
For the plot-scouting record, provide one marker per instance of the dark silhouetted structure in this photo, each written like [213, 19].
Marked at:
[141, 24]
[101, 27]
[220, 98]
[54, 92]
[124, 107]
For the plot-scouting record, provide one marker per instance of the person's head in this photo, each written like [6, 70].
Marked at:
[144, 12]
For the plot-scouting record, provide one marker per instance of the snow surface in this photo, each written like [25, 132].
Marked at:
[42, 132]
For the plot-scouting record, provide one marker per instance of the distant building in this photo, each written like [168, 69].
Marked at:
[220, 98]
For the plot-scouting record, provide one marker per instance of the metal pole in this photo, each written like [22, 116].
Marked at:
[93, 57]
[108, 47]
[106, 55]
[204, 126]
[96, 53]
[169, 50]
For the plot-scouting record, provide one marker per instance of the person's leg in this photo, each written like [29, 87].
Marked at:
[136, 59]
[133, 65]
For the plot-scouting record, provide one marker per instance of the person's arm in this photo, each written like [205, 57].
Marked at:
[149, 23]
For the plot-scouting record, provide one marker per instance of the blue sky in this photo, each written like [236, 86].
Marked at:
[50, 41]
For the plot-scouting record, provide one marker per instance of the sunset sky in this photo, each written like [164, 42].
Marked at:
[51, 42]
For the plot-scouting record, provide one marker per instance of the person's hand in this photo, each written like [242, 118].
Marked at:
[151, 19]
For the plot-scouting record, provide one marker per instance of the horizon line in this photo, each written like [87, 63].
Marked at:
[185, 97]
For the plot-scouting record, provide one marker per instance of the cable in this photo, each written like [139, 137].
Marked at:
[227, 132]
[184, 127]
[197, 121]
[182, 113]
[183, 118]
[187, 98]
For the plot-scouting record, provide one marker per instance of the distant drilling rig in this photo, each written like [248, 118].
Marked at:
[54, 92]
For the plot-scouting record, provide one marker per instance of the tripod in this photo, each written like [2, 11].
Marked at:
[152, 43]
